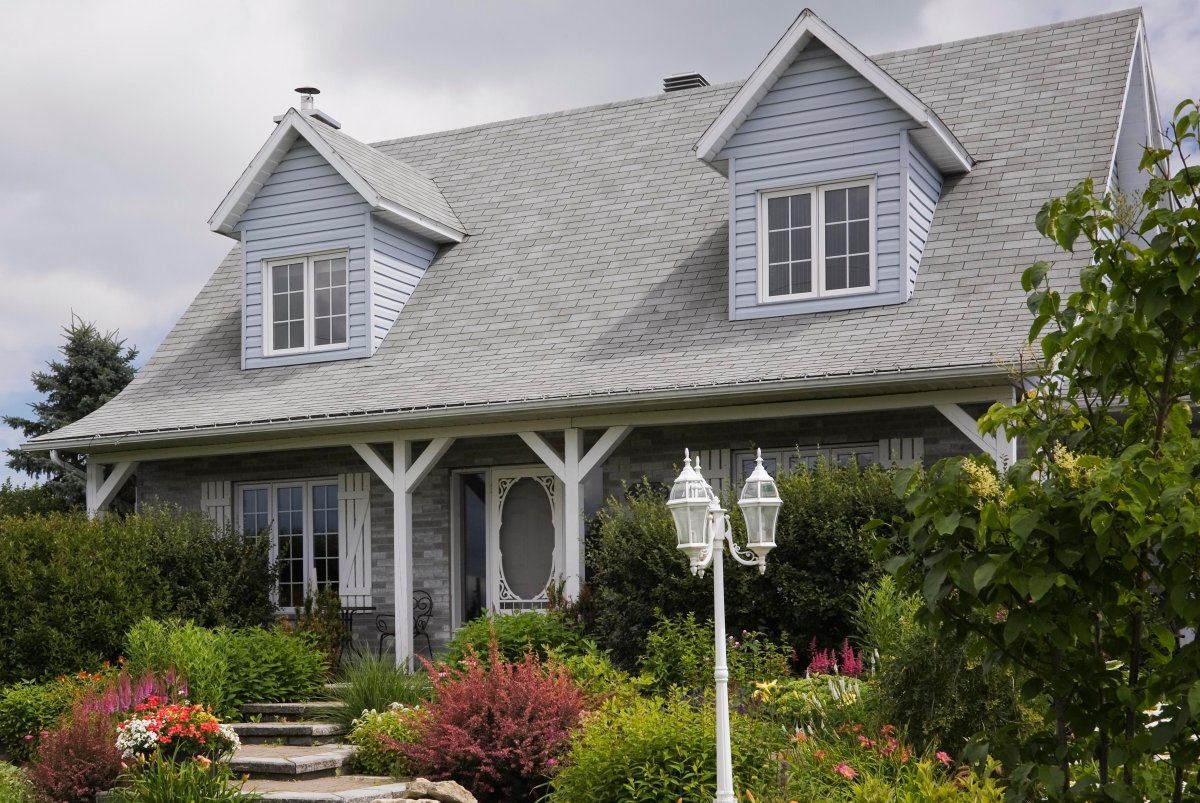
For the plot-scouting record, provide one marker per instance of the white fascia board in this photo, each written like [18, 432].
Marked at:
[807, 26]
[293, 125]
[1134, 55]
[409, 219]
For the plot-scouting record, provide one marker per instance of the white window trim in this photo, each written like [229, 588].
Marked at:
[816, 191]
[273, 522]
[268, 320]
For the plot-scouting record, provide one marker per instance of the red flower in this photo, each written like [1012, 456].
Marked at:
[845, 770]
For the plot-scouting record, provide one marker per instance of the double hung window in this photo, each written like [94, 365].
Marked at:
[306, 304]
[301, 519]
[817, 241]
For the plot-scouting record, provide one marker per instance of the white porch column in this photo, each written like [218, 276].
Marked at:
[573, 469]
[102, 490]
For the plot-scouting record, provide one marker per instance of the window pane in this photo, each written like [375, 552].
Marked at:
[325, 536]
[835, 206]
[801, 209]
[777, 280]
[835, 273]
[474, 546]
[835, 240]
[777, 213]
[289, 504]
[777, 250]
[338, 268]
[802, 277]
[321, 297]
[860, 232]
[296, 306]
[296, 276]
[802, 243]
[296, 334]
[338, 326]
[339, 301]
[321, 273]
[860, 271]
[255, 515]
[859, 198]
[279, 276]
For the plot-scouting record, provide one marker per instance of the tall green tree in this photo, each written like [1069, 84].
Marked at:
[1081, 562]
[93, 368]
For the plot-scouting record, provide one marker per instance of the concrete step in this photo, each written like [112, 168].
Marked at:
[288, 712]
[327, 790]
[288, 733]
[289, 762]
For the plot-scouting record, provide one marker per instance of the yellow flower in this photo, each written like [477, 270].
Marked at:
[982, 480]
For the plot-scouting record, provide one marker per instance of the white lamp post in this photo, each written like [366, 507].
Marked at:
[703, 529]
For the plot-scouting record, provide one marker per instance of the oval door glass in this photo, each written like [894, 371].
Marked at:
[527, 538]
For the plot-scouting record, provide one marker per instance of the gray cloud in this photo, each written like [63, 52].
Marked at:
[127, 121]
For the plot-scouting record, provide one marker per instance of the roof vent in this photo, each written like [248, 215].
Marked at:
[309, 110]
[683, 80]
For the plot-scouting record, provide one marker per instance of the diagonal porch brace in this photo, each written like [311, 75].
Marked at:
[102, 490]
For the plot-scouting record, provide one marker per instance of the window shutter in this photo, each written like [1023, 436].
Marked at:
[902, 451]
[715, 465]
[354, 534]
[216, 502]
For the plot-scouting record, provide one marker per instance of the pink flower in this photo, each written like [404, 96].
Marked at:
[845, 770]
[944, 758]
[551, 762]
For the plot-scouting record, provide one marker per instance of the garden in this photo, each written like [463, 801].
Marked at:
[963, 632]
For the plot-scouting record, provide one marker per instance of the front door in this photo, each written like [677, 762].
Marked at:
[524, 537]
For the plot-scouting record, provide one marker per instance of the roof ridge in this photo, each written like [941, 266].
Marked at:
[613, 104]
[336, 132]
[1007, 34]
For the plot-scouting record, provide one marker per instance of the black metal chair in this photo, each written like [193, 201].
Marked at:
[422, 612]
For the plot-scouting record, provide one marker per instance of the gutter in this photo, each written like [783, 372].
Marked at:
[69, 468]
[831, 386]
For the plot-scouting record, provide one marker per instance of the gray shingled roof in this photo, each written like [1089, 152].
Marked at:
[597, 261]
[391, 178]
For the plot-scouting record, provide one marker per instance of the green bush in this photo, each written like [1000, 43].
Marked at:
[599, 678]
[371, 683]
[818, 702]
[649, 749]
[70, 587]
[371, 756]
[885, 617]
[225, 669]
[17, 500]
[161, 780]
[681, 652]
[636, 571]
[14, 786]
[518, 634]
[26, 709]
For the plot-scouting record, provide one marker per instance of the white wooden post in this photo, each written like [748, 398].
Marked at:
[402, 551]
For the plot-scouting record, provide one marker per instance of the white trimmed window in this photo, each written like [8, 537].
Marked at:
[305, 304]
[817, 241]
[775, 460]
[302, 521]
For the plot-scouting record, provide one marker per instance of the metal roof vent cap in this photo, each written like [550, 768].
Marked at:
[684, 80]
[308, 109]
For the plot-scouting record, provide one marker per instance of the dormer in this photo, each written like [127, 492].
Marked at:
[335, 236]
[834, 170]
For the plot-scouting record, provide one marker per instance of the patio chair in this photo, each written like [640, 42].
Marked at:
[422, 611]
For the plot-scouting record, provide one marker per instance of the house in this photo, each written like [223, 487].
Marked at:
[425, 360]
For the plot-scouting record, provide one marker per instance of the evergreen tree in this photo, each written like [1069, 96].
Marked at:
[94, 368]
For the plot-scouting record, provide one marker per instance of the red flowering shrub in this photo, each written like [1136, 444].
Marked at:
[498, 730]
[76, 761]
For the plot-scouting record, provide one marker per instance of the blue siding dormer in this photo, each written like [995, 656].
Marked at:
[822, 124]
[399, 259]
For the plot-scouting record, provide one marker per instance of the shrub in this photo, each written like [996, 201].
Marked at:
[163, 781]
[497, 729]
[680, 652]
[14, 786]
[598, 678]
[321, 620]
[884, 617]
[17, 500]
[372, 683]
[648, 749]
[373, 756]
[70, 586]
[77, 760]
[808, 590]
[272, 666]
[26, 709]
[818, 702]
[517, 634]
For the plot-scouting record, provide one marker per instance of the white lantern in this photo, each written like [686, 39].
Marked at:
[760, 503]
[690, 497]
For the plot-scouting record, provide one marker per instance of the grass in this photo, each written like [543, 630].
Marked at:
[368, 683]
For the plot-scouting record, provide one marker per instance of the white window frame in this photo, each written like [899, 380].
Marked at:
[273, 523]
[783, 455]
[268, 320]
[817, 192]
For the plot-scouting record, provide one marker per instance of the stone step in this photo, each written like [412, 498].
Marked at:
[288, 712]
[288, 733]
[289, 762]
[327, 790]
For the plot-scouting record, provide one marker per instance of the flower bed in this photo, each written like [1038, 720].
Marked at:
[176, 730]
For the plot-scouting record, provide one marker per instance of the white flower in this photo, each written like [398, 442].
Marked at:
[136, 738]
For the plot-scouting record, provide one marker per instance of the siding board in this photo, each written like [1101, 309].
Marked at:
[924, 189]
[398, 261]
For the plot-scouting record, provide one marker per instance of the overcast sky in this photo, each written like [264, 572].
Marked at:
[126, 122]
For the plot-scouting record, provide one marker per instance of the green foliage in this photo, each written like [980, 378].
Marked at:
[94, 368]
[517, 634]
[26, 709]
[14, 786]
[681, 653]
[599, 678]
[70, 587]
[1080, 563]
[160, 780]
[650, 749]
[818, 702]
[16, 500]
[637, 572]
[885, 617]
[371, 756]
[321, 619]
[225, 669]
[371, 683]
